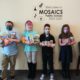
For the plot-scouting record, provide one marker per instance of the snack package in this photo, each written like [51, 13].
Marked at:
[12, 35]
[65, 40]
[36, 38]
[23, 40]
[30, 38]
[46, 43]
[2, 39]
[71, 39]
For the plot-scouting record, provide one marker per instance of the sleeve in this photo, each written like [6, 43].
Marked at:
[41, 38]
[53, 39]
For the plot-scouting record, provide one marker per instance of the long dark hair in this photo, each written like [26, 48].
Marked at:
[68, 34]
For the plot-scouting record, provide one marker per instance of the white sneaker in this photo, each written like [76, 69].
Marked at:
[51, 77]
[42, 77]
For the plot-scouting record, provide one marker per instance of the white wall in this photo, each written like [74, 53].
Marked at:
[19, 11]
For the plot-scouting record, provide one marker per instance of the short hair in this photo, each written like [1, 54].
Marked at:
[48, 25]
[10, 22]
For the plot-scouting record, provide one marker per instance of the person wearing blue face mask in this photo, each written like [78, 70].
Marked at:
[10, 49]
[66, 40]
[47, 43]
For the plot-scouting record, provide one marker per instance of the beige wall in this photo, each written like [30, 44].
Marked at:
[21, 10]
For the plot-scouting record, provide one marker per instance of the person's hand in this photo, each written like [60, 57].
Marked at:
[42, 44]
[48, 44]
[51, 44]
[65, 41]
[6, 41]
[10, 39]
[30, 42]
[45, 43]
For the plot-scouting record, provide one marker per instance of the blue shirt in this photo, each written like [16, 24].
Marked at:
[30, 36]
[12, 48]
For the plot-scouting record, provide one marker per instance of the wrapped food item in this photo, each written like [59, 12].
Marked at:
[12, 35]
[23, 40]
[65, 40]
[49, 43]
[46, 43]
[30, 38]
[3, 37]
[71, 39]
[36, 38]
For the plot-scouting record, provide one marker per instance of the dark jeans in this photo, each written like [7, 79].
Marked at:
[47, 58]
[66, 69]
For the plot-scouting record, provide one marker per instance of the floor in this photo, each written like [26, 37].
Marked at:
[58, 76]
[22, 75]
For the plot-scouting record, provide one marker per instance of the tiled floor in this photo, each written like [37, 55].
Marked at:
[22, 75]
[58, 76]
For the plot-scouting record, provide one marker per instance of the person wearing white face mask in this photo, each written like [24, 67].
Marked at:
[47, 42]
[66, 40]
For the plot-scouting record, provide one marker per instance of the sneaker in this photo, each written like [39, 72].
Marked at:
[51, 77]
[42, 77]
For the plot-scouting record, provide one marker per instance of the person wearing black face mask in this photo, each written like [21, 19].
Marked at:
[9, 25]
[10, 50]
[9, 28]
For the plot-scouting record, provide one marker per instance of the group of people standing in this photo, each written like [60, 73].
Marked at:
[31, 40]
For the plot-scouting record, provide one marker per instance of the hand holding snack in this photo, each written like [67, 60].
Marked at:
[6, 42]
[23, 39]
[31, 42]
[13, 35]
[71, 41]
[65, 41]
[46, 43]
[36, 39]
[42, 43]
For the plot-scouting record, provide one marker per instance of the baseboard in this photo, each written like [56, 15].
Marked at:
[40, 70]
